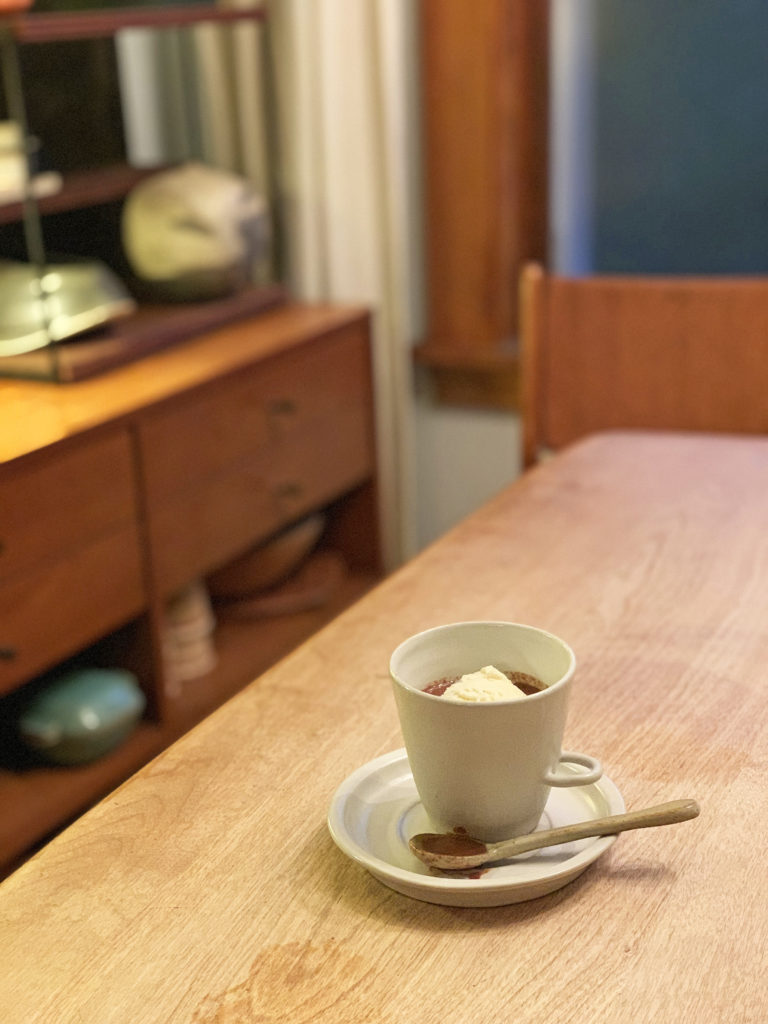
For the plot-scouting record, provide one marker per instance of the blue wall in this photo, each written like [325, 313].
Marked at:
[681, 136]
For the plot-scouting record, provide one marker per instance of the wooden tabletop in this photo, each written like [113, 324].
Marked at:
[207, 888]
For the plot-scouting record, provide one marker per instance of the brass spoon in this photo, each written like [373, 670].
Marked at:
[454, 851]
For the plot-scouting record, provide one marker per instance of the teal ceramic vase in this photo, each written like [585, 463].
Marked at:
[82, 715]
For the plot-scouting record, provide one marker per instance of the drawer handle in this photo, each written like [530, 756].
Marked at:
[289, 492]
[282, 407]
[8, 653]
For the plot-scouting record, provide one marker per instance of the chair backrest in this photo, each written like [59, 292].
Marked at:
[613, 352]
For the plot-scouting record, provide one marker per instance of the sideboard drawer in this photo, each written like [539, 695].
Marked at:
[255, 453]
[199, 531]
[50, 505]
[194, 534]
[50, 614]
[311, 388]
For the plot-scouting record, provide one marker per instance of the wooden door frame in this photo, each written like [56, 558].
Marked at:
[485, 124]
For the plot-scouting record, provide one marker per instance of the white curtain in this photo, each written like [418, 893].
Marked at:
[197, 93]
[344, 173]
[346, 116]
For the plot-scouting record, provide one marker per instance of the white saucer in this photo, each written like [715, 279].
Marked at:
[375, 811]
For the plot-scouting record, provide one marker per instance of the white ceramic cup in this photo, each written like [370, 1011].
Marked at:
[487, 767]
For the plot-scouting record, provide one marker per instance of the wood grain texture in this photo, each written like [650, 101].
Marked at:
[672, 353]
[207, 890]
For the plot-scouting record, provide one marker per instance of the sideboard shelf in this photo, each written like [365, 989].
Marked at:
[85, 188]
[60, 26]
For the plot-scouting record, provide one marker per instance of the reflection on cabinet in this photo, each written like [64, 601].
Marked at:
[118, 492]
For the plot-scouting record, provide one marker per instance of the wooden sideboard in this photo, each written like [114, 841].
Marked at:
[117, 492]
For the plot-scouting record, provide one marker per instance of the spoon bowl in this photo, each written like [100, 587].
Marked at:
[456, 851]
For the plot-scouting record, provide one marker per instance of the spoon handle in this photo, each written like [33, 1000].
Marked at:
[661, 814]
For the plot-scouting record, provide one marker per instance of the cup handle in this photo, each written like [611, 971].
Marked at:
[556, 777]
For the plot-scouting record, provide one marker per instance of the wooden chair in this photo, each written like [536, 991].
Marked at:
[677, 353]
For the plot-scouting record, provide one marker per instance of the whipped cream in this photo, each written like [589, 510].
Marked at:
[487, 684]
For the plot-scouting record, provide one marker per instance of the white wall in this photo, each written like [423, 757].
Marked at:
[463, 457]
